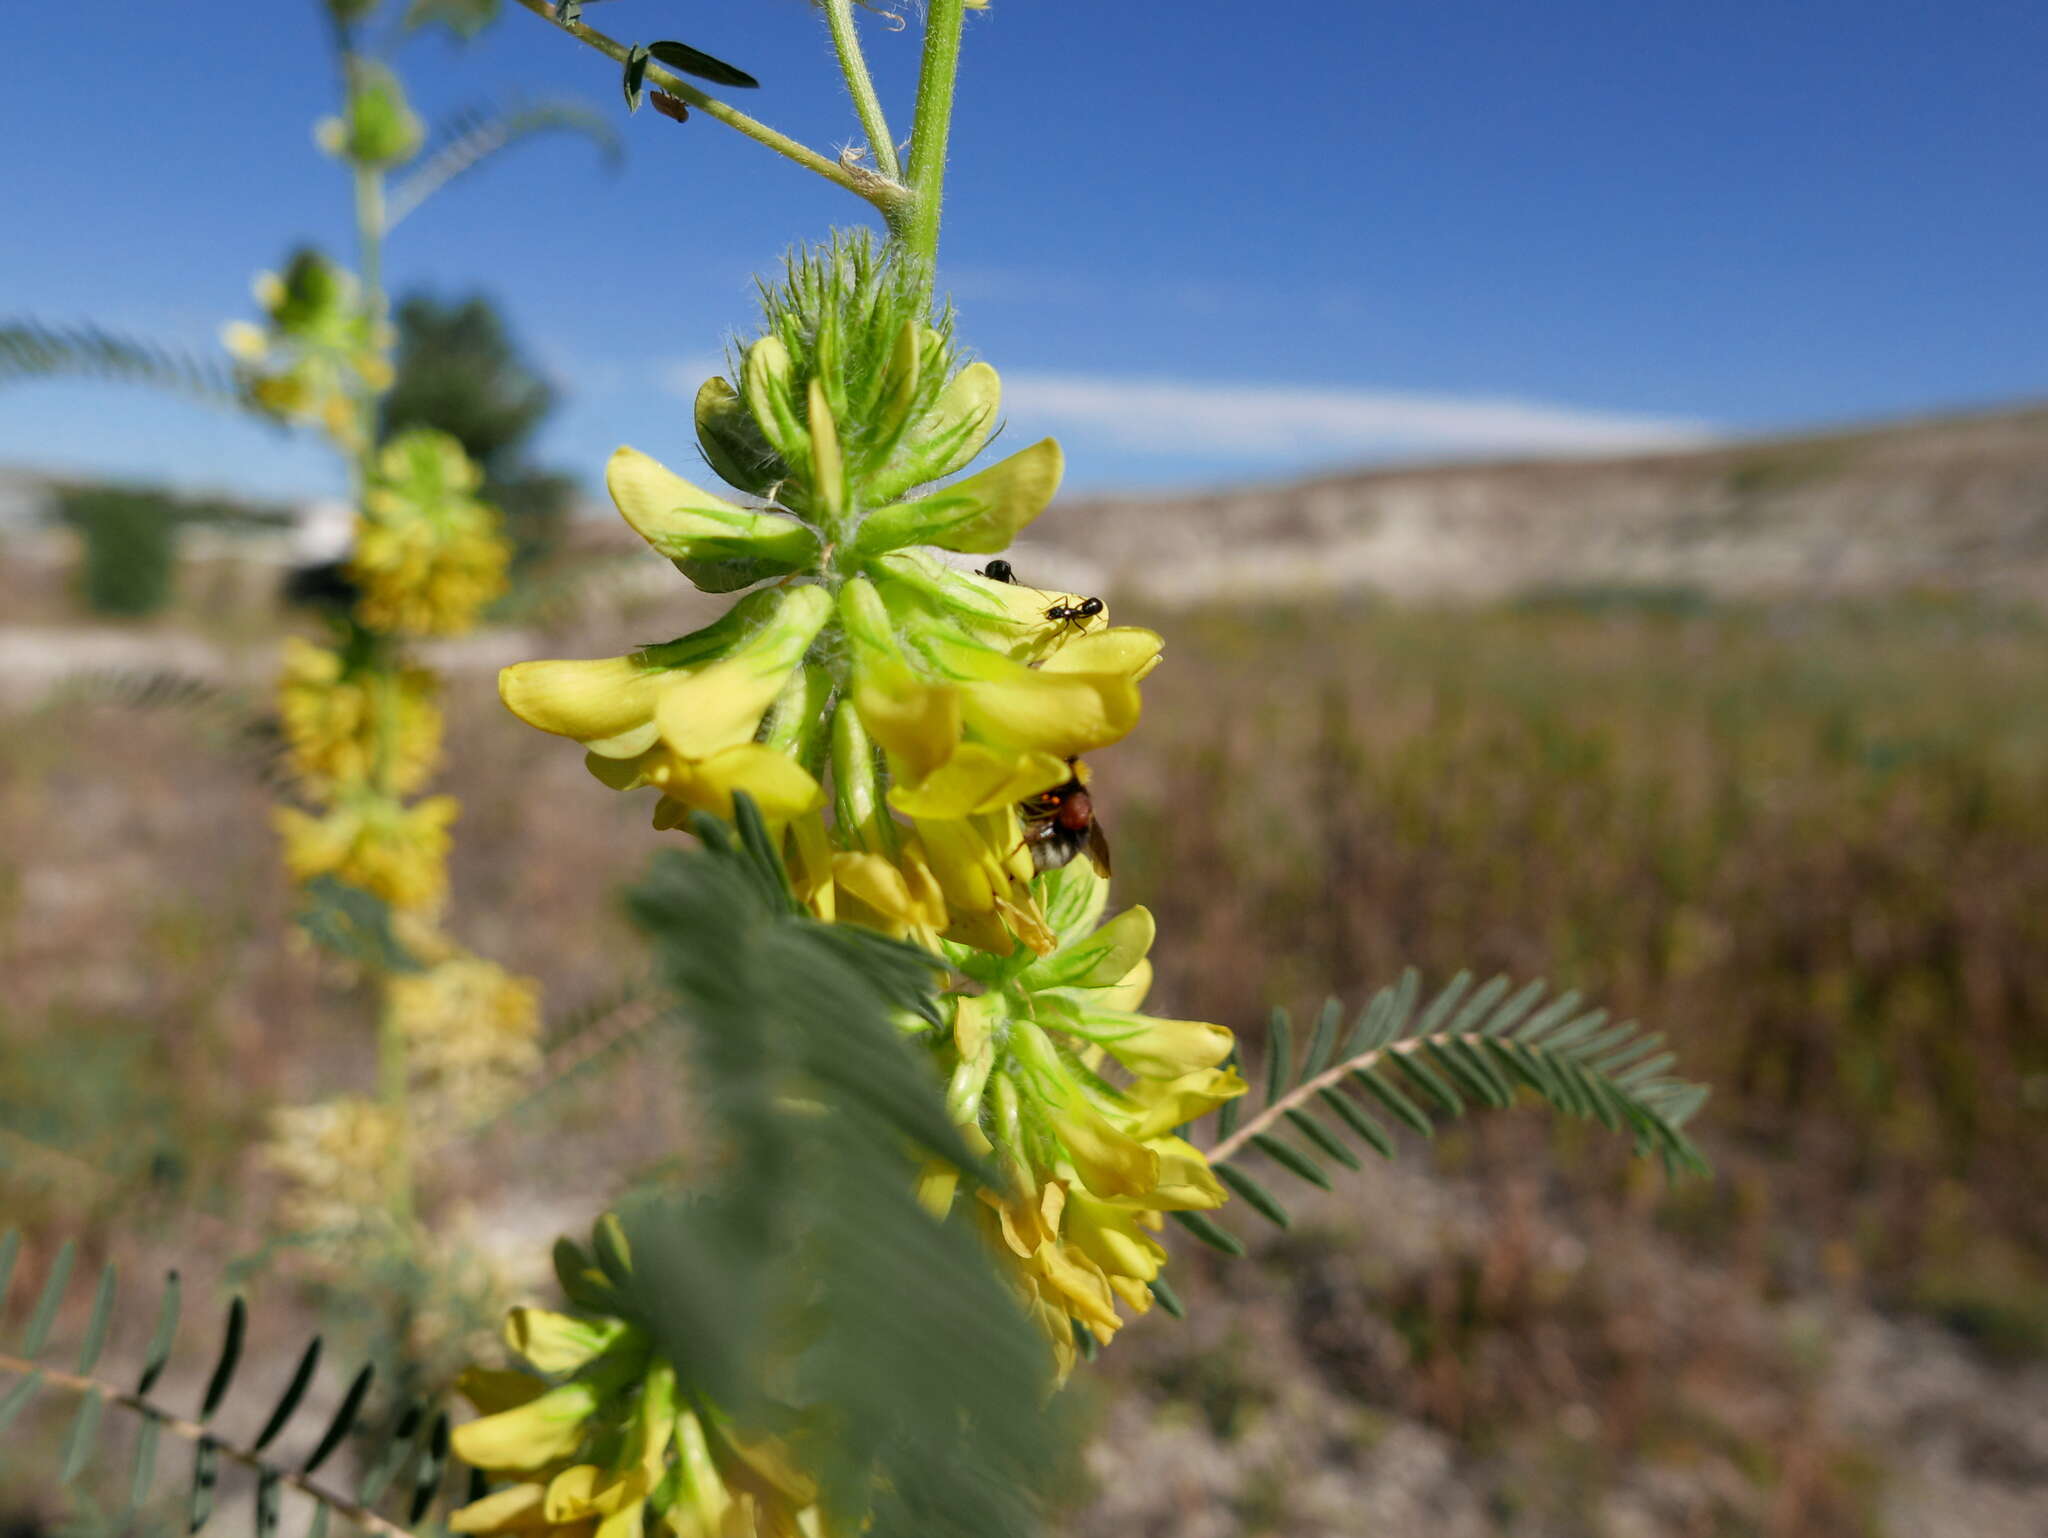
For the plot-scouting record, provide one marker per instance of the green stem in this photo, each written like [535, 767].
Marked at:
[394, 1093]
[929, 126]
[884, 194]
[861, 87]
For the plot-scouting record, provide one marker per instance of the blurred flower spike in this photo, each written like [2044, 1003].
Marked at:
[593, 1436]
[320, 352]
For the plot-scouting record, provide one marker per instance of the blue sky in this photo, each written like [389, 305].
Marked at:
[1203, 241]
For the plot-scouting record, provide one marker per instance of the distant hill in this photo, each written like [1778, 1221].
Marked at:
[1950, 503]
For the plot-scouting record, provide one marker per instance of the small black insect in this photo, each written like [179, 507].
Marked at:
[1075, 614]
[998, 571]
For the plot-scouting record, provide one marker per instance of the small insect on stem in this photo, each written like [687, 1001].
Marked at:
[670, 106]
[998, 571]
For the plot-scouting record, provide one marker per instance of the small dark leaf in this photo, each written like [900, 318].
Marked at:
[1389, 1095]
[1084, 1338]
[1255, 1195]
[1228, 1114]
[268, 1489]
[1216, 1238]
[691, 61]
[1432, 1083]
[385, 1466]
[1279, 1055]
[428, 1480]
[230, 1358]
[46, 1306]
[635, 75]
[205, 1477]
[1292, 1159]
[1355, 1117]
[1168, 1298]
[569, 12]
[158, 1356]
[1324, 1041]
[294, 1391]
[1324, 1139]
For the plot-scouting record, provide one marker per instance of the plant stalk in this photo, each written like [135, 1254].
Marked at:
[886, 195]
[930, 125]
[861, 87]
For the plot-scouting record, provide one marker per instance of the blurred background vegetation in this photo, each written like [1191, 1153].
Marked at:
[1804, 840]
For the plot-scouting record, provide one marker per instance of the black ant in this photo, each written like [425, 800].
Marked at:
[1077, 613]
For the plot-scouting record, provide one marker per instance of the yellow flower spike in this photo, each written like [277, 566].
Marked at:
[1008, 704]
[1000, 614]
[1109, 1160]
[490, 1389]
[828, 466]
[978, 780]
[1127, 993]
[1128, 650]
[1082, 1287]
[946, 440]
[1102, 958]
[1151, 1047]
[1186, 1183]
[611, 703]
[981, 514]
[531, 1436]
[1164, 1104]
[1114, 1237]
[915, 722]
[767, 382]
[559, 1343]
[720, 547]
[391, 851]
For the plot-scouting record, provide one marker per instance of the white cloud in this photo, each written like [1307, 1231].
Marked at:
[1170, 416]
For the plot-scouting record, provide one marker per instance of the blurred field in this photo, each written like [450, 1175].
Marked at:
[1806, 843]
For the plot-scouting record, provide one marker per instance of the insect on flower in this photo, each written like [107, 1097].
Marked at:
[1076, 614]
[1060, 823]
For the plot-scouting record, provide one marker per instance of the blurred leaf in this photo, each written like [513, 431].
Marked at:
[353, 923]
[803, 1289]
[475, 136]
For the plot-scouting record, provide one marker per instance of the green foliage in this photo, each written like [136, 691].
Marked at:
[1400, 1064]
[802, 1288]
[31, 350]
[475, 136]
[402, 1462]
[130, 540]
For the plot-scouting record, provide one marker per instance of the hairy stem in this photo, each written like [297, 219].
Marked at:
[861, 87]
[886, 195]
[192, 1431]
[933, 119]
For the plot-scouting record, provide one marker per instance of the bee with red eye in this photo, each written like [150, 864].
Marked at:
[1060, 823]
